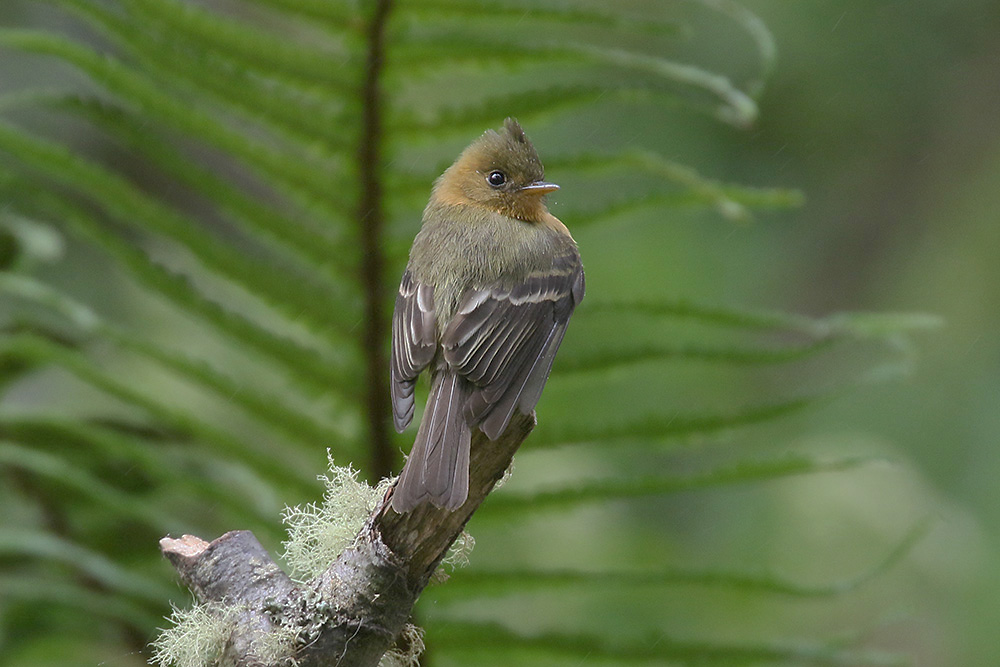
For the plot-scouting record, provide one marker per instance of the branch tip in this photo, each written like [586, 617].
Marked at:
[187, 546]
[353, 612]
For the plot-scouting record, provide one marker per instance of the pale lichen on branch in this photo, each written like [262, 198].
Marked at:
[355, 610]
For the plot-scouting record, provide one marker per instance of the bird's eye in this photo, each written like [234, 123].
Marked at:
[496, 178]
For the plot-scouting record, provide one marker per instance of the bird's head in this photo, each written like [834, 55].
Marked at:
[499, 171]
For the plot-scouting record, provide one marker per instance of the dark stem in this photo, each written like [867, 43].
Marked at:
[371, 218]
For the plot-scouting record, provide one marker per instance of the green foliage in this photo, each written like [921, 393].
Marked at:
[478, 641]
[188, 281]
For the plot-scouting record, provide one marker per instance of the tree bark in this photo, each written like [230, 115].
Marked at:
[352, 613]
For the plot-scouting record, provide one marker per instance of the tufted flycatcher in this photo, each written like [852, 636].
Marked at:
[492, 280]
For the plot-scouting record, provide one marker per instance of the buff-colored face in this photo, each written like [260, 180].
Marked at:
[500, 171]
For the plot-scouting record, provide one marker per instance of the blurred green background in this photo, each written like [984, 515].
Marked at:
[886, 116]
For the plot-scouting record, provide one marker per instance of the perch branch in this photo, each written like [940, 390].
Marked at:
[354, 611]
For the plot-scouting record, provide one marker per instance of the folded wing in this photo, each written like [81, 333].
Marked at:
[503, 340]
[414, 340]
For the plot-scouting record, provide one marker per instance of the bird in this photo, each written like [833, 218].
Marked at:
[483, 304]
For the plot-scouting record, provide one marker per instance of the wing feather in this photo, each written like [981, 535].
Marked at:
[414, 342]
[504, 339]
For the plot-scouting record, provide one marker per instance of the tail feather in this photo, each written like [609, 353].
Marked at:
[437, 470]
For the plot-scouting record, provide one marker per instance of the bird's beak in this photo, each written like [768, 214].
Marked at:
[540, 188]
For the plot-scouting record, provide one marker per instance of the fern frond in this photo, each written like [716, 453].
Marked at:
[483, 638]
[328, 15]
[311, 368]
[162, 462]
[49, 594]
[660, 427]
[308, 116]
[39, 350]
[605, 359]
[429, 48]
[305, 180]
[640, 487]
[468, 116]
[318, 62]
[46, 547]
[312, 246]
[709, 315]
[26, 242]
[754, 27]
[736, 107]
[81, 317]
[495, 583]
[838, 325]
[71, 478]
[129, 205]
[269, 409]
[272, 409]
[733, 201]
[543, 13]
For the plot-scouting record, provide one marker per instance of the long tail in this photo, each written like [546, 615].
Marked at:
[438, 467]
